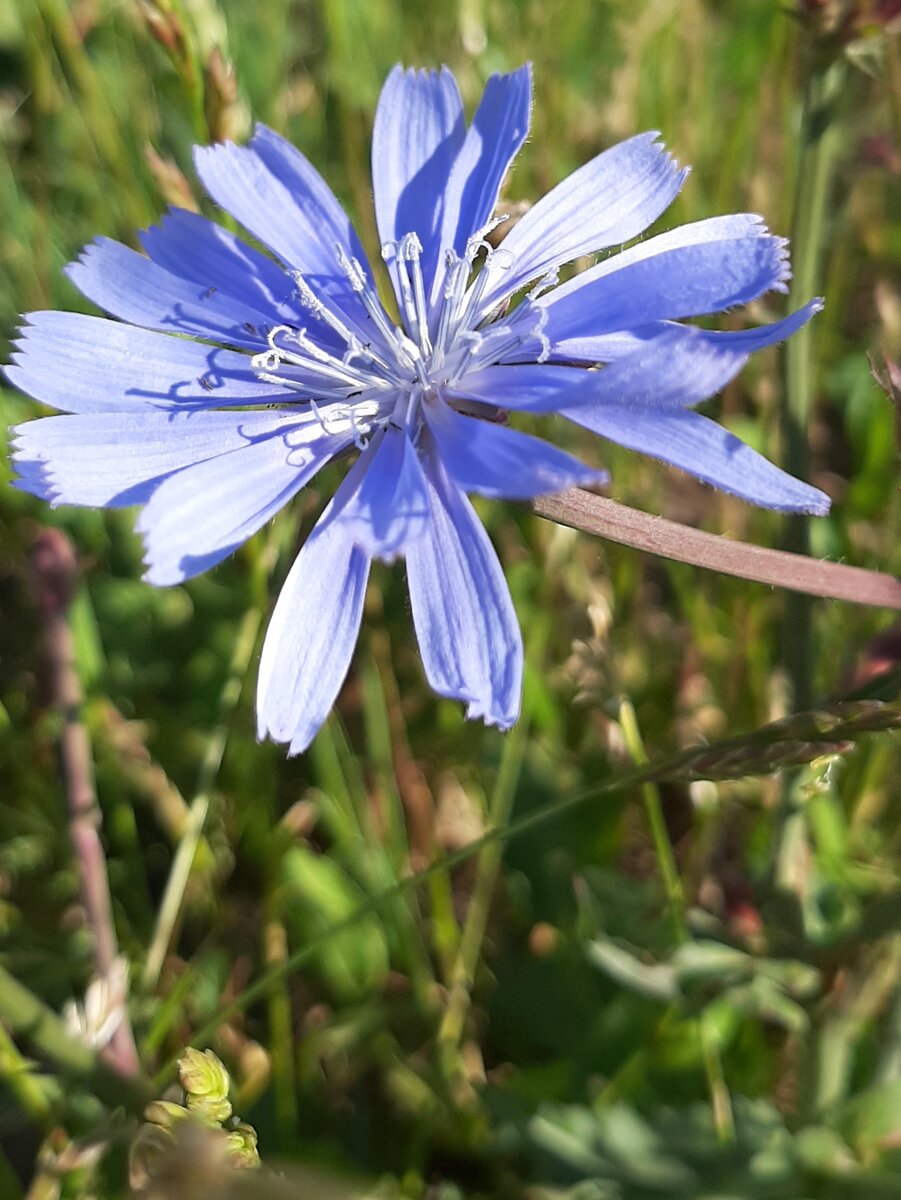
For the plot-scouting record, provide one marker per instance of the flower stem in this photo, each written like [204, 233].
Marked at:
[821, 144]
[675, 893]
[55, 574]
[618, 523]
[500, 807]
[650, 794]
[173, 896]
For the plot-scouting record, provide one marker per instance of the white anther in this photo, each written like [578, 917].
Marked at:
[544, 284]
[539, 333]
[458, 273]
[389, 250]
[410, 247]
[412, 356]
[270, 336]
[309, 298]
[352, 269]
[491, 225]
[413, 290]
[306, 294]
[474, 245]
[266, 360]
[494, 255]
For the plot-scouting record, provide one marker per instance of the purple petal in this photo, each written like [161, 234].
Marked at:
[284, 202]
[499, 462]
[322, 215]
[88, 364]
[607, 202]
[698, 445]
[749, 340]
[382, 503]
[198, 516]
[189, 245]
[311, 637]
[131, 287]
[417, 135]
[112, 460]
[528, 387]
[679, 368]
[492, 141]
[609, 347]
[696, 269]
[465, 622]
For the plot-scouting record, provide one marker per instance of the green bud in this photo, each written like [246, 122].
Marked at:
[242, 1146]
[206, 1084]
[164, 1113]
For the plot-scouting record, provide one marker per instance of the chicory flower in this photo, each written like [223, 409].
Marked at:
[229, 378]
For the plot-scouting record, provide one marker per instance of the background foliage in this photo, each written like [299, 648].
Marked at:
[681, 989]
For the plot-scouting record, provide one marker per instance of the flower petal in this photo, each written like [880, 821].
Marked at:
[499, 462]
[678, 368]
[698, 445]
[131, 287]
[606, 202]
[115, 459]
[199, 515]
[382, 503]
[88, 364]
[311, 637]
[608, 347]
[492, 141]
[700, 268]
[283, 201]
[749, 340]
[189, 245]
[417, 135]
[465, 622]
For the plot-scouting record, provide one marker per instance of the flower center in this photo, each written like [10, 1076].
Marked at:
[383, 370]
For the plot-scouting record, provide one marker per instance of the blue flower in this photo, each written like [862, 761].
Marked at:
[230, 378]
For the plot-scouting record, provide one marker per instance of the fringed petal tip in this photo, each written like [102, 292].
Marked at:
[476, 711]
[35, 478]
[819, 504]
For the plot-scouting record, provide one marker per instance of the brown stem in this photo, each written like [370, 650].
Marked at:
[607, 519]
[55, 575]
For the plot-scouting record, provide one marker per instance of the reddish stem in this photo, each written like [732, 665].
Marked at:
[605, 518]
[55, 574]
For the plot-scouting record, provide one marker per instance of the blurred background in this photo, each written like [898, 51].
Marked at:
[684, 989]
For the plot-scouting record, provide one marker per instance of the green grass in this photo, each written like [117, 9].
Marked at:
[554, 1013]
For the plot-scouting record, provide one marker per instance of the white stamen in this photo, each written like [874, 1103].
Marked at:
[544, 285]
[498, 253]
[411, 250]
[351, 390]
[543, 338]
[309, 298]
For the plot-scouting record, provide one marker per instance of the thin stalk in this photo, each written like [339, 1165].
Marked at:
[418, 816]
[618, 523]
[55, 575]
[500, 807]
[821, 143]
[663, 848]
[281, 1030]
[173, 896]
[720, 1102]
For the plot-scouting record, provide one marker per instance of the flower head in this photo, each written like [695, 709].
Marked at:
[230, 377]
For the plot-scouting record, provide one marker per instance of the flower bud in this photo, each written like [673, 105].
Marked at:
[206, 1083]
